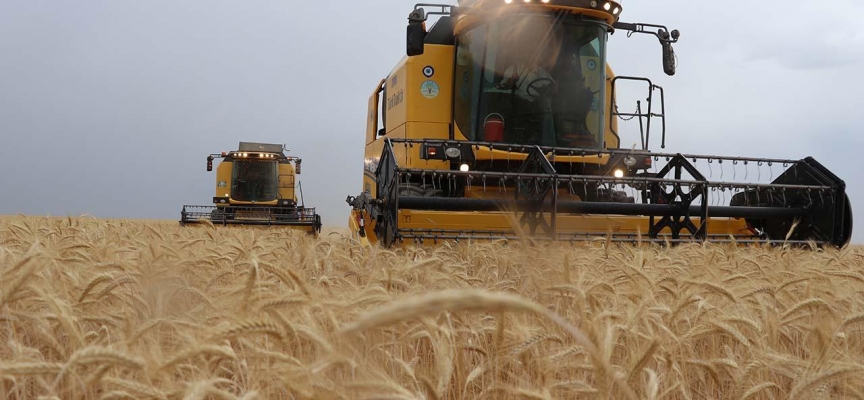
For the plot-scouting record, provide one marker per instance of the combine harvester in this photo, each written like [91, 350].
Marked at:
[255, 185]
[502, 123]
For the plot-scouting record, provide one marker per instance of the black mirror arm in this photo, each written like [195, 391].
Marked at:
[665, 37]
[416, 32]
[210, 159]
[445, 9]
[662, 34]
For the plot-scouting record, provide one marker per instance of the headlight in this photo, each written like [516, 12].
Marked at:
[464, 168]
[453, 152]
[619, 173]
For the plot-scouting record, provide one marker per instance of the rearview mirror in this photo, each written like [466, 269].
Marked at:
[297, 166]
[416, 33]
[209, 163]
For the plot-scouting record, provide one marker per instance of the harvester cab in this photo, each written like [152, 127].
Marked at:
[501, 122]
[256, 185]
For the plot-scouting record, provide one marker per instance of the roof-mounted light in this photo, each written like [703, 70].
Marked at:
[610, 7]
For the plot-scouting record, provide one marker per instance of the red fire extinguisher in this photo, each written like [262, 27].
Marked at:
[493, 128]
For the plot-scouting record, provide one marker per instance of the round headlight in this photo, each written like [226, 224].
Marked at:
[619, 173]
[453, 152]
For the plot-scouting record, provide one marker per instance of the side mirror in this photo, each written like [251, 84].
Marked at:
[668, 51]
[668, 59]
[209, 163]
[297, 166]
[416, 33]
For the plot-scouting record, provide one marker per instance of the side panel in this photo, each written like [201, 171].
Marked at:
[223, 179]
[287, 182]
[429, 91]
[397, 83]
[612, 141]
[417, 104]
[429, 101]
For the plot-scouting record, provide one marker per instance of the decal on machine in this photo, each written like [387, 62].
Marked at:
[395, 100]
[429, 89]
[371, 165]
[428, 71]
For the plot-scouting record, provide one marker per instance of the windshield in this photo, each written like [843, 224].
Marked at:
[255, 181]
[543, 76]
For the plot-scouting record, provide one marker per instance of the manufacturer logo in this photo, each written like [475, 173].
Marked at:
[395, 100]
[592, 65]
[428, 71]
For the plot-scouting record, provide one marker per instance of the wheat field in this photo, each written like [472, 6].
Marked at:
[110, 309]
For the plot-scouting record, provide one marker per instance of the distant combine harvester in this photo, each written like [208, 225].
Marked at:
[256, 185]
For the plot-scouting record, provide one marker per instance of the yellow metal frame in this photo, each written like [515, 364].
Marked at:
[505, 223]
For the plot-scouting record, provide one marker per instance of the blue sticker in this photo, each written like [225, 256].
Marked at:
[428, 71]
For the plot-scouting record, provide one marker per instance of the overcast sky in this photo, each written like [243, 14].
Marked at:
[110, 108]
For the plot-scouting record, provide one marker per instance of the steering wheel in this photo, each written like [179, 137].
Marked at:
[534, 82]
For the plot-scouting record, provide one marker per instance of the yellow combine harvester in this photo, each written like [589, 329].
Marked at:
[256, 185]
[502, 122]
